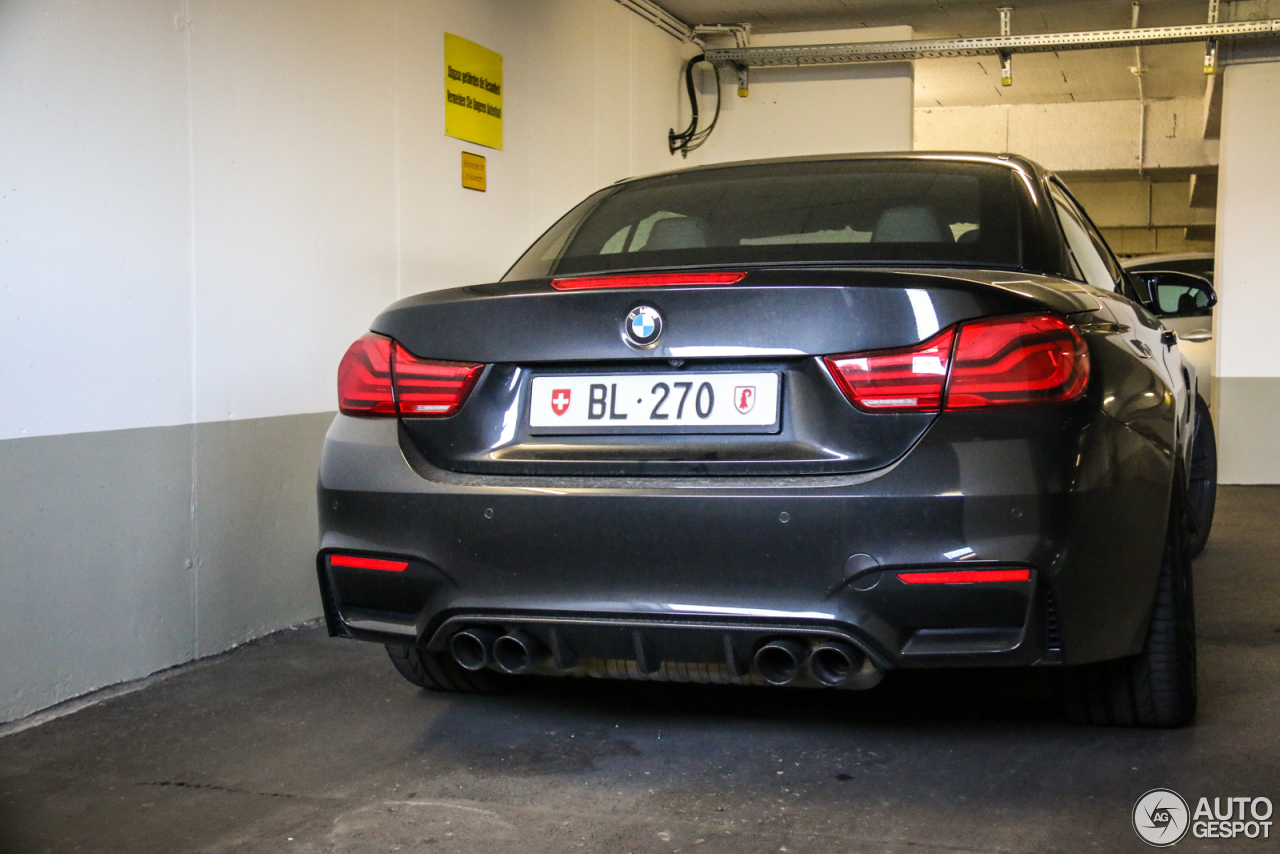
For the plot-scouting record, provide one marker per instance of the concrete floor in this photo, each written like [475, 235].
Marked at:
[300, 743]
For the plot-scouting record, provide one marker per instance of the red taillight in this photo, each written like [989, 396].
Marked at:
[364, 377]
[1017, 361]
[965, 576]
[378, 376]
[907, 380]
[368, 563]
[430, 387]
[1024, 360]
[648, 280]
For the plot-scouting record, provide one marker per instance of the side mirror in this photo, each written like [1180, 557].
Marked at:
[1174, 294]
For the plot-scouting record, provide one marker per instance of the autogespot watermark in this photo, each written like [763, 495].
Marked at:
[1161, 817]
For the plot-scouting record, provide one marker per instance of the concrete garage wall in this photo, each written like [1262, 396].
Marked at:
[603, 89]
[127, 551]
[1248, 385]
[96, 584]
[1085, 136]
[1139, 216]
[1130, 164]
[201, 204]
[254, 530]
[811, 110]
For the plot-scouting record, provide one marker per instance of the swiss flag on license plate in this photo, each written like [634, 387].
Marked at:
[560, 400]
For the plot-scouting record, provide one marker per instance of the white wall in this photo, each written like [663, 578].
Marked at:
[1248, 387]
[205, 202]
[209, 199]
[602, 86]
[1248, 214]
[201, 204]
[95, 320]
[813, 109]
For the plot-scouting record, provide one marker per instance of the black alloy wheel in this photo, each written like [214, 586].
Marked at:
[1202, 491]
[437, 671]
[1157, 687]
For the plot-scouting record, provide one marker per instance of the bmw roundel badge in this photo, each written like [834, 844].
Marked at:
[642, 327]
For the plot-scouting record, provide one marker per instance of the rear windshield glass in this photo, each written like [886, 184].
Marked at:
[864, 211]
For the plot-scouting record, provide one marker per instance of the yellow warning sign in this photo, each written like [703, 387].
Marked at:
[472, 92]
[473, 171]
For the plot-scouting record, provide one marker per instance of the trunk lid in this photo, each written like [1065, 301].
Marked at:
[774, 322]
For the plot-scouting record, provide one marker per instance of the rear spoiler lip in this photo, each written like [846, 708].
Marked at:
[815, 311]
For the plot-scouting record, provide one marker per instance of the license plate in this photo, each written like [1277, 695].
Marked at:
[656, 403]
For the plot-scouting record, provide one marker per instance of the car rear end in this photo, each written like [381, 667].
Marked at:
[752, 452]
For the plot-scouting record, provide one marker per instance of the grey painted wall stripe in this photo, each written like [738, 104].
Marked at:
[1247, 413]
[128, 551]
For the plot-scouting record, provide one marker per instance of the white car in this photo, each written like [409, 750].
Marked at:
[1195, 334]
[1186, 308]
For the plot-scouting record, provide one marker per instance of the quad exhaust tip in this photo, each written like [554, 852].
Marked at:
[518, 652]
[834, 663]
[473, 648]
[778, 662]
[477, 648]
[782, 661]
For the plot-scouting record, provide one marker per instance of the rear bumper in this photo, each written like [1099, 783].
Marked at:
[746, 559]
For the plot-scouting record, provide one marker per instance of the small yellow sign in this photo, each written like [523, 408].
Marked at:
[473, 171]
[472, 92]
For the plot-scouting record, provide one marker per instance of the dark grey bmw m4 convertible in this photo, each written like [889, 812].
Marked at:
[792, 422]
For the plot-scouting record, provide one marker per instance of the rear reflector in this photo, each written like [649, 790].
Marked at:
[965, 576]
[378, 376]
[368, 563]
[1017, 361]
[649, 280]
[907, 380]
[1024, 360]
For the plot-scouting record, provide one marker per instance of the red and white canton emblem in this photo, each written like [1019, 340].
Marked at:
[560, 401]
[744, 398]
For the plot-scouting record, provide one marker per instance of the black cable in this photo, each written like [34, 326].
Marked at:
[691, 138]
[701, 136]
[676, 141]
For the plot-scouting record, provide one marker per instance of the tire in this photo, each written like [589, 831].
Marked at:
[1157, 687]
[1202, 491]
[436, 671]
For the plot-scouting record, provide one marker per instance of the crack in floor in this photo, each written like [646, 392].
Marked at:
[182, 784]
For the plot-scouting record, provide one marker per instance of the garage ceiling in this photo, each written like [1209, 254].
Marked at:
[1093, 75]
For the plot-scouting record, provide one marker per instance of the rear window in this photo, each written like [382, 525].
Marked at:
[862, 211]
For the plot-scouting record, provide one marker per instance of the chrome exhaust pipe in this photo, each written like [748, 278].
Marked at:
[518, 652]
[473, 648]
[834, 663]
[778, 662]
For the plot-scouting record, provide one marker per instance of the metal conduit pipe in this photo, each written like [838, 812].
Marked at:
[902, 51]
[660, 18]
